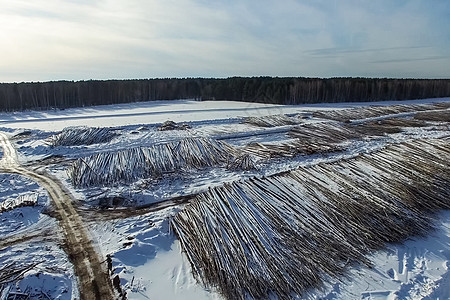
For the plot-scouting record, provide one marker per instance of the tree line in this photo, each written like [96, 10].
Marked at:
[276, 90]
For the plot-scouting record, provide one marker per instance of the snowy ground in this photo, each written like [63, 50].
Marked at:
[148, 258]
[160, 111]
[31, 238]
[145, 254]
[418, 269]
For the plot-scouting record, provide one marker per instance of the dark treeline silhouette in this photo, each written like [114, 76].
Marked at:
[277, 90]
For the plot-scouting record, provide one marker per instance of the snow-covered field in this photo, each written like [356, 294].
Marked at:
[159, 111]
[145, 252]
[417, 269]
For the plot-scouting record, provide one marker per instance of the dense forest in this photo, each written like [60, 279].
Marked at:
[278, 90]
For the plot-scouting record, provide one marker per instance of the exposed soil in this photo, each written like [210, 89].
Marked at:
[90, 213]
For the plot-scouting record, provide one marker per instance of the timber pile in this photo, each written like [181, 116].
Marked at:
[24, 200]
[304, 147]
[171, 125]
[268, 151]
[9, 274]
[375, 128]
[402, 122]
[284, 234]
[324, 133]
[288, 149]
[434, 116]
[334, 133]
[146, 162]
[374, 111]
[272, 121]
[14, 271]
[243, 162]
[75, 136]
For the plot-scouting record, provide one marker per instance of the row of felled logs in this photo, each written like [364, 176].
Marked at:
[284, 234]
[108, 168]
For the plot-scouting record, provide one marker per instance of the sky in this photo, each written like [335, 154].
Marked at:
[44, 40]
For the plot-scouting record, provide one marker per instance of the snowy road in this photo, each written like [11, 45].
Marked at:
[93, 278]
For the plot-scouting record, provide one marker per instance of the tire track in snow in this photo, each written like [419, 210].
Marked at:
[93, 278]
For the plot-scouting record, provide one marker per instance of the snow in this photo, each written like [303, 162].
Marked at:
[159, 111]
[139, 113]
[148, 259]
[22, 218]
[53, 274]
[145, 254]
[418, 269]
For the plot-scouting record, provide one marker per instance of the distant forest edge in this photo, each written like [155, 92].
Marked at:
[276, 90]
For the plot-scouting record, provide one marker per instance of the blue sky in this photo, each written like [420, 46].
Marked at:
[102, 39]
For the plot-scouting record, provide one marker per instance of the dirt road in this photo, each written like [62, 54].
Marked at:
[93, 278]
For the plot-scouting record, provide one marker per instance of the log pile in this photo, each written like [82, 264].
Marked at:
[11, 273]
[333, 134]
[29, 199]
[402, 122]
[434, 116]
[324, 133]
[266, 151]
[375, 111]
[195, 153]
[14, 271]
[289, 149]
[146, 162]
[171, 125]
[244, 162]
[284, 234]
[272, 121]
[76, 136]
